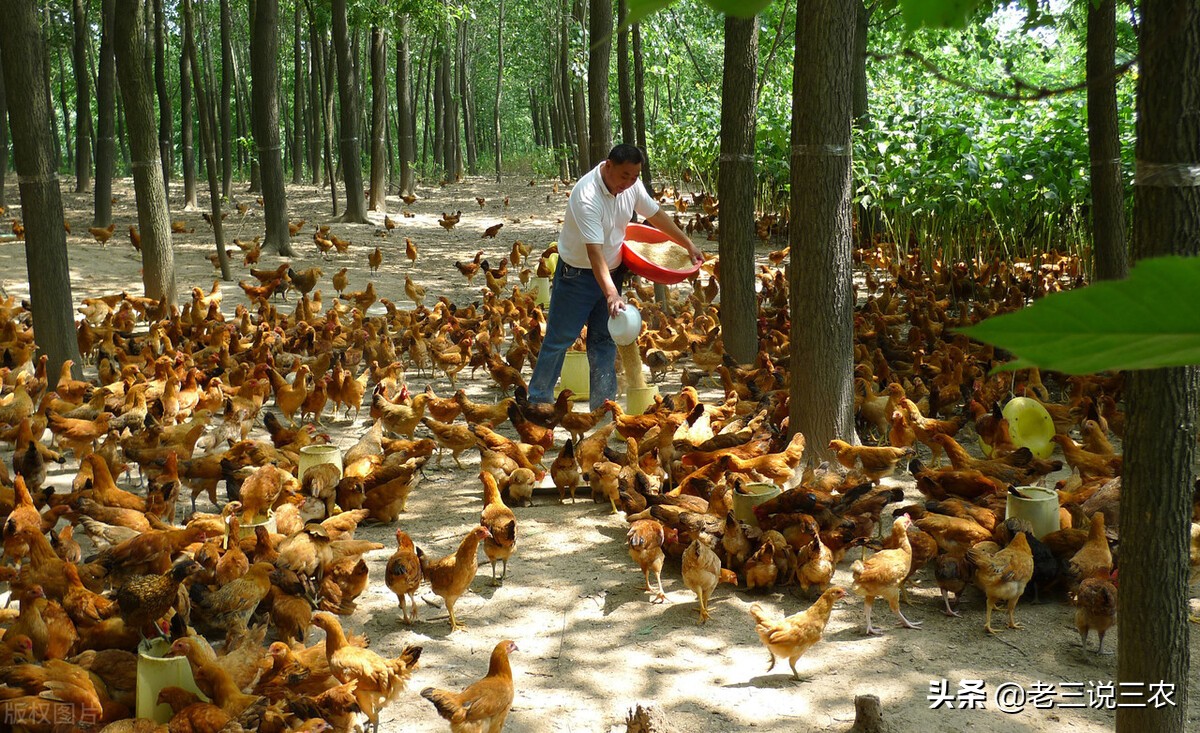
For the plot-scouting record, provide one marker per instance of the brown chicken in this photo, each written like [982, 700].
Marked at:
[1095, 608]
[760, 568]
[877, 463]
[501, 524]
[1003, 576]
[792, 636]
[1095, 557]
[701, 573]
[375, 259]
[484, 705]
[883, 573]
[289, 397]
[1088, 464]
[450, 437]
[144, 599]
[231, 605]
[564, 471]
[379, 680]
[451, 576]
[645, 541]
[403, 574]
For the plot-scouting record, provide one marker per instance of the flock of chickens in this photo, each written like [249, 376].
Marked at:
[178, 393]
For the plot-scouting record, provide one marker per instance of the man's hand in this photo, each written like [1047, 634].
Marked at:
[697, 255]
[616, 304]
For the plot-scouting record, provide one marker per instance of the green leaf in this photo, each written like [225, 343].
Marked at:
[1150, 320]
[937, 13]
[639, 10]
[738, 8]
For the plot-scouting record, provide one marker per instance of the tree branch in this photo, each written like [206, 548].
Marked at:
[688, 46]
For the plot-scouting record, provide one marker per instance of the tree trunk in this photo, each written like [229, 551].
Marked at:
[447, 113]
[106, 111]
[624, 90]
[158, 259]
[208, 123]
[23, 59]
[464, 97]
[736, 184]
[639, 103]
[348, 119]
[3, 135]
[51, 118]
[83, 99]
[579, 104]
[227, 76]
[325, 74]
[314, 106]
[264, 118]
[297, 99]
[599, 118]
[165, 126]
[821, 299]
[1110, 252]
[499, 90]
[428, 130]
[1162, 404]
[566, 93]
[66, 112]
[404, 104]
[378, 121]
[185, 127]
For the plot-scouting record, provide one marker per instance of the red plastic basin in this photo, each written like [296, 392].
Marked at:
[638, 265]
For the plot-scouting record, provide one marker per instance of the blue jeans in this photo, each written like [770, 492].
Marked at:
[575, 301]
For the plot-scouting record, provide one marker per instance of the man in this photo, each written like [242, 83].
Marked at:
[588, 280]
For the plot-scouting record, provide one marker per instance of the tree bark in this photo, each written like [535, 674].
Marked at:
[297, 99]
[1110, 252]
[624, 90]
[227, 75]
[22, 56]
[821, 299]
[66, 112]
[404, 104]
[165, 125]
[499, 91]
[378, 121]
[186, 136]
[464, 97]
[445, 71]
[348, 119]
[264, 118]
[106, 112]
[208, 123]
[736, 184]
[579, 105]
[1162, 404]
[314, 106]
[599, 117]
[3, 135]
[158, 259]
[83, 99]
[639, 103]
[51, 117]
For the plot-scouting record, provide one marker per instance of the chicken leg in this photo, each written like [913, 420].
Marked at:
[949, 611]
[894, 604]
[660, 596]
[454, 624]
[704, 615]
[503, 573]
[1012, 606]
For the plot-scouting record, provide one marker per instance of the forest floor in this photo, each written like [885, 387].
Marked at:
[591, 645]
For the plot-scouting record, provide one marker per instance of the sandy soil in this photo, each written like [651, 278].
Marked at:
[590, 643]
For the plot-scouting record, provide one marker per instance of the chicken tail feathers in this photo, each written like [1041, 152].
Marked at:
[757, 613]
[856, 569]
[445, 701]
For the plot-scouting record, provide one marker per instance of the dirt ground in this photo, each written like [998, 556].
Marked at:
[591, 645]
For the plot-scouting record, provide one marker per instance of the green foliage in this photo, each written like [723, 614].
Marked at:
[1150, 320]
[937, 13]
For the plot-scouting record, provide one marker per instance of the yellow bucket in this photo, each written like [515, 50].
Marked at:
[541, 291]
[574, 375]
[639, 398]
[748, 496]
[156, 672]
[1040, 509]
[315, 455]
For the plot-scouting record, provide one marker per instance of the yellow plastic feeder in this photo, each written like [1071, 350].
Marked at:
[1030, 426]
[541, 291]
[315, 455]
[574, 375]
[156, 672]
[1040, 508]
[748, 496]
[637, 399]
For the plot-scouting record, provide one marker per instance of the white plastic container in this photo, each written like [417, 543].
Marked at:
[1040, 509]
[155, 672]
[625, 326]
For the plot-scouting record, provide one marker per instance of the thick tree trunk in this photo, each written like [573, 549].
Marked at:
[404, 104]
[3, 135]
[499, 91]
[736, 184]
[348, 119]
[106, 112]
[264, 118]
[158, 259]
[165, 125]
[378, 121]
[624, 88]
[208, 123]
[1110, 252]
[465, 102]
[821, 299]
[83, 99]
[639, 103]
[297, 99]
[185, 126]
[23, 58]
[1162, 404]
[227, 76]
[599, 118]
